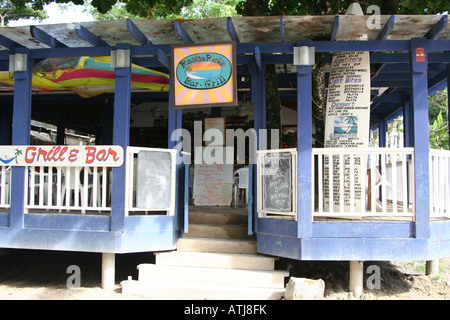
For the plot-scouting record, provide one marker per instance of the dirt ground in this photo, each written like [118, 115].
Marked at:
[42, 275]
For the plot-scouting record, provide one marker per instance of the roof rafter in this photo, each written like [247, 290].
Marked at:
[45, 38]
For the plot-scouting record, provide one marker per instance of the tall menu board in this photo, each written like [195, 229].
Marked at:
[347, 119]
[213, 184]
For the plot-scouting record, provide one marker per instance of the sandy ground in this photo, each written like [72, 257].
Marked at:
[42, 275]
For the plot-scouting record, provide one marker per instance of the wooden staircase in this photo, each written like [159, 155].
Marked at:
[216, 260]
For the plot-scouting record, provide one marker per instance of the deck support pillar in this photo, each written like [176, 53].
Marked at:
[356, 282]
[108, 270]
[432, 267]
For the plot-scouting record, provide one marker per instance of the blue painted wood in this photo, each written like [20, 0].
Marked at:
[283, 47]
[186, 199]
[334, 29]
[363, 249]
[383, 129]
[360, 229]
[419, 100]
[304, 138]
[277, 227]
[172, 119]
[232, 30]
[45, 38]
[164, 60]
[121, 133]
[439, 230]
[159, 240]
[282, 29]
[87, 35]
[437, 29]
[148, 233]
[407, 124]
[184, 36]
[258, 60]
[149, 223]
[67, 222]
[250, 199]
[256, 98]
[279, 246]
[8, 43]
[262, 109]
[4, 219]
[137, 33]
[20, 136]
[386, 29]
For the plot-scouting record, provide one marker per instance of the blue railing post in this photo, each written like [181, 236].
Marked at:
[121, 137]
[419, 100]
[21, 124]
[304, 148]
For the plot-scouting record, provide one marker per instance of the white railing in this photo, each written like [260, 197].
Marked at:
[439, 183]
[5, 186]
[87, 189]
[365, 178]
[68, 188]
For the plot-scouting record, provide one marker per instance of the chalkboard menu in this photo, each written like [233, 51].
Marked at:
[277, 182]
[154, 180]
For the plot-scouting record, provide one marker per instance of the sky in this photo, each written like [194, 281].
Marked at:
[74, 14]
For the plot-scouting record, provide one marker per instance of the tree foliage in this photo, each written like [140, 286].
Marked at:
[10, 12]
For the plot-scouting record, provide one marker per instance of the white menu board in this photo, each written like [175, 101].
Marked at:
[213, 184]
[347, 121]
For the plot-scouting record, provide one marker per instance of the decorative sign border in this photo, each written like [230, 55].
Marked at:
[62, 156]
[204, 75]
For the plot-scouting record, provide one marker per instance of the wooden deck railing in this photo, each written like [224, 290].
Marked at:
[371, 181]
[439, 183]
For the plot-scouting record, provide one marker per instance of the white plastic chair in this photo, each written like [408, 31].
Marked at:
[241, 183]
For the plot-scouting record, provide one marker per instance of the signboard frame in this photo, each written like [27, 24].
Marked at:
[269, 213]
[62, 155]
[215, 90]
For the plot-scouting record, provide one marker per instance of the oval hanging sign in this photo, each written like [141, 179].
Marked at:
[204, 71]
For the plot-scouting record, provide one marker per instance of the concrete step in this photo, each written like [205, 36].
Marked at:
[218, 231]
[212, 276]
[164, 290]
[216, 245]
[215, 260]
[219, 218]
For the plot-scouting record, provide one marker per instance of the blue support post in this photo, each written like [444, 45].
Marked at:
[21, 124]
[304, 147]
[419, 100]
[172, 119]
[121, 137]
[383, 130]
[407, 124]
[256, 97]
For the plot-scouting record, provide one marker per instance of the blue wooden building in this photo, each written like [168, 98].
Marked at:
[405, 216]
